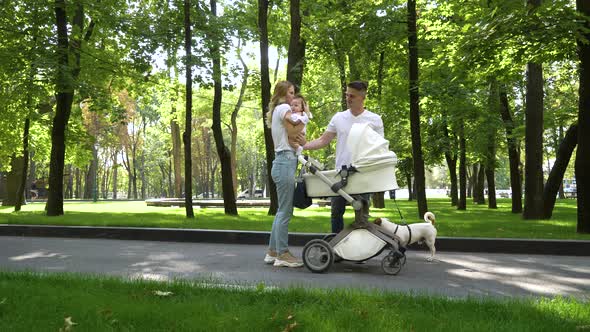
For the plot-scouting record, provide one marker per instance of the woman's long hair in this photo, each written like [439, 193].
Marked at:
[278, 97]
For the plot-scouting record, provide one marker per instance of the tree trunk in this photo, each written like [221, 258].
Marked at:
[64, 98]
[66, 75]
[176, 141]
[533, 183]
[186, 136]
[20, 192]
[265, 98]
[533, 172]
[378, 200]
[2, 187]
[409, 180]
[582, 166]
[77, 187]
[462, 170]
[380, 75]
[32, 174]
[142, 169]
[91, 176]
[513, 155]
[415, 110]
[176, 157]
[555, 180]
[473, 183]
[234, 125]
[115, 175]
[13, 181]
[451, 158]
[227, 183]
[296, 53]
[452, 164]
[69, 183]
[490, 176]
[480, 184]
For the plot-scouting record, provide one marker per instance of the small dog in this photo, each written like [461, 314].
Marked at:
[419, 232]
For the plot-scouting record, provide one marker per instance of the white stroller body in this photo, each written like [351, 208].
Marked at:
[372, 170]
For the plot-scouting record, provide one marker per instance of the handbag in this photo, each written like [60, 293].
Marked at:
[300, 198]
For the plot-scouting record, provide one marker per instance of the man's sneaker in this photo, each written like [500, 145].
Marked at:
[288, 260]
[270, 257]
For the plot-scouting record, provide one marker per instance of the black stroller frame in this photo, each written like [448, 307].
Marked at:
[318, 254]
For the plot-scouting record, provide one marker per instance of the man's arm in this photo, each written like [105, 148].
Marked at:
[321, 142]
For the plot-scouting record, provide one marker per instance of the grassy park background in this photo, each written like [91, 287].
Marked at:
[476, 221]
[100, 303]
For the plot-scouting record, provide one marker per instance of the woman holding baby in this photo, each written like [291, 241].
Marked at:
[286, 117]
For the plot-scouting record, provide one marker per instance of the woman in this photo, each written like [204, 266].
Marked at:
[283, 170]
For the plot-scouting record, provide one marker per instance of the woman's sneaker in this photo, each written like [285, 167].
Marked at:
[288, 260]
[270, 257]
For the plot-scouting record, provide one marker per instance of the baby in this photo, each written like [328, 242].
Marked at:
[300, 117]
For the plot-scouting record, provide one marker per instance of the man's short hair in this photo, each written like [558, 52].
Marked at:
[358, 85]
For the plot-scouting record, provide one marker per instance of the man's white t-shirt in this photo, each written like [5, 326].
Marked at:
[342, 122]
[279, 132]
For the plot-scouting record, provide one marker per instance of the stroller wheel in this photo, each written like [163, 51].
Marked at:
[392, 264]
[318, 256]
[329, 238]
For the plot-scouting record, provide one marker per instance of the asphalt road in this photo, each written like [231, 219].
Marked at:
[453, 274]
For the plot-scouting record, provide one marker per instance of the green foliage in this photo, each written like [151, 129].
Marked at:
[133, 63]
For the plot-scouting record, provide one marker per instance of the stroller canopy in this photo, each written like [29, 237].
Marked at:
[367, 148]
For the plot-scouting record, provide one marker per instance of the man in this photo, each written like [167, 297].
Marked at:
[339, 127]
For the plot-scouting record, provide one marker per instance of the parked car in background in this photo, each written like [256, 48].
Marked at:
[258, 193]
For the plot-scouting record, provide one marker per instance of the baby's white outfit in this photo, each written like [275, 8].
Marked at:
[305, 119]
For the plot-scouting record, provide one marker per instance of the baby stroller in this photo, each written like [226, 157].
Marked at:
[372, 170]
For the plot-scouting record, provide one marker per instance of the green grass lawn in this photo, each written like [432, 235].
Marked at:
[476, 221]
[35, 302]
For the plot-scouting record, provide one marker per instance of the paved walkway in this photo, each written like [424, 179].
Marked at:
[454, 274]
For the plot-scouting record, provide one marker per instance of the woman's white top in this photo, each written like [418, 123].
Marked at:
[279, 132]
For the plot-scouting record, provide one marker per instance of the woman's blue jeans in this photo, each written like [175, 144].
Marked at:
[283, 174]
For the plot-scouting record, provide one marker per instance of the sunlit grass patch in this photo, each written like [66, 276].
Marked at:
[42, 302]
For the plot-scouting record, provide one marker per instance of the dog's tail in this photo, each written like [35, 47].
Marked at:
[429, 217]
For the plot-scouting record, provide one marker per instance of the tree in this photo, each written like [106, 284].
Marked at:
[234, 117]
[582, 160]
[265, 99]
[229, 196]
[533, 167]
[415, 110]
[296, 53]
[67, 73]
[513, 154]
[462, 205]
[555, 179]
[186, 136]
